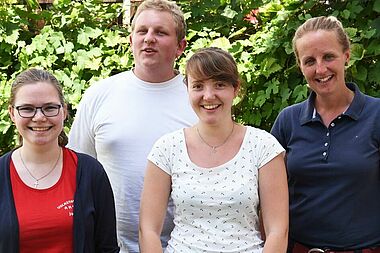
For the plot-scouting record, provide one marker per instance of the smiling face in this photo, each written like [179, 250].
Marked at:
[155, 44]
[39, 130]
[322, 60]
[211, 99]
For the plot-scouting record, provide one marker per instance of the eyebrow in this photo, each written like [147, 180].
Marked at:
[45, 104]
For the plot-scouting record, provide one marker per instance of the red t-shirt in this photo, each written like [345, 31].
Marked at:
[46, 216]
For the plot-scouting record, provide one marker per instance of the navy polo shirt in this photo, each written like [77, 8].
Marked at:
[333, 173]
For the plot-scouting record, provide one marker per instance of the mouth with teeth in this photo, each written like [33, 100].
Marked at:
[40, 129]
[324, 79]
[210, 107]
[149, 50]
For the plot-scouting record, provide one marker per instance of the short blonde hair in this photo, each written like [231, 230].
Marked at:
[167, 6]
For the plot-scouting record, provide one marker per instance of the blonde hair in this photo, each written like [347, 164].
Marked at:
[329, 23]
[167, 6]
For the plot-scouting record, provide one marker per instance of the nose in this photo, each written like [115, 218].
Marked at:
[39, 115]
[320, 67]
[149, 37]
[208, 94]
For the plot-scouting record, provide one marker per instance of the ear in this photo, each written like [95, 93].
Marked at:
[347, 55]
[181, 47]
[11, 111]
[130, 38]
[65, 112]
[237, 89]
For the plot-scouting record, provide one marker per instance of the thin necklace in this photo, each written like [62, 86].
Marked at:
[217, 146]
[47, 174]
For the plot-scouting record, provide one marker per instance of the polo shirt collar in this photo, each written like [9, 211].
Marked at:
[353, 110]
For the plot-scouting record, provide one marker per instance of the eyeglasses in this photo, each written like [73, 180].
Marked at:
[28, 111]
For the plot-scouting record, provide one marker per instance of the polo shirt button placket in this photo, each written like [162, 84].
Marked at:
[326, 144]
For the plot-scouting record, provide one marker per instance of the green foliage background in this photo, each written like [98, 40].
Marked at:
[81, 42]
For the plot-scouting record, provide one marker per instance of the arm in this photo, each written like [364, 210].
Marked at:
[154, 201]
[273, 190]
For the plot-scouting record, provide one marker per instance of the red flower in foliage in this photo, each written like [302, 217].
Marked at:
[252, 17]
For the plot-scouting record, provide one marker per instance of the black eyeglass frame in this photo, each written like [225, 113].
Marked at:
[41, 108]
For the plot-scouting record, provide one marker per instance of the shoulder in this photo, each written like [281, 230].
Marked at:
[88, 165]
[257, 133]
[295, 108]
[6, 157]
[111, 83]
[373, 102]
[171, 137]
[5, 160]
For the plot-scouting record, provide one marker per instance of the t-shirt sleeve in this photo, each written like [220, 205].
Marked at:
[160, 154]
[267, 148]
[82, 136]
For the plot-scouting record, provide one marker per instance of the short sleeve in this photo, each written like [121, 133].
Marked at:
[159, 155]
[267, 147]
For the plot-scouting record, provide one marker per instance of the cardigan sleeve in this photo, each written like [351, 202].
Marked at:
[9, 228]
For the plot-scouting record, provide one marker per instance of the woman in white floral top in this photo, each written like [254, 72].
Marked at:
[218, 173]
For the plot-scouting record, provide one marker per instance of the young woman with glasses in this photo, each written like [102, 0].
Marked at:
[52, 199]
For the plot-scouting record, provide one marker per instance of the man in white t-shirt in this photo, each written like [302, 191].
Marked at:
[119, 118]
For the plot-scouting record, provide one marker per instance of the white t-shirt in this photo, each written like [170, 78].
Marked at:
[216, 209]
[118, 120]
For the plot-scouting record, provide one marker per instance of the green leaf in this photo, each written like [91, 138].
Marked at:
[222, 42]
[229, 13]
[300, 93]
[357, 51]
[260, 99]
[360, 73]
[33, 4]
[238, 32]
[272, 87]
[4, 126]
[369, 33]
[69, 46]
[112, 38]
[351, 31]
[12, 38]
[346, 14]
[374, 47]
[83, 38]
[60, 50]
[374, 73]
[376, 6]
[269, 66]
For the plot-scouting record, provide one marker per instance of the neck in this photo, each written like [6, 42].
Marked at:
[154, 75]
[214, 135]
[39, 155]
[334, 102]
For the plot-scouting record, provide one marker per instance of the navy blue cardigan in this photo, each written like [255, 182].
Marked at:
[94, 209]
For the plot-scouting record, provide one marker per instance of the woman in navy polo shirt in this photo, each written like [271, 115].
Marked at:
[332, 143]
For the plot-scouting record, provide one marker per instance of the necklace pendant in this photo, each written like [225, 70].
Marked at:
[36, 184]
[213, 150]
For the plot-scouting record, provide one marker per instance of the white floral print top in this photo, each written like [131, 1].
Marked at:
[215, 208]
